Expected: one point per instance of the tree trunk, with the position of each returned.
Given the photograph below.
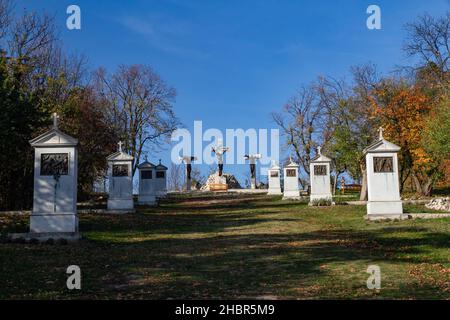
(423, 187)
(336, 178)
(363, 194)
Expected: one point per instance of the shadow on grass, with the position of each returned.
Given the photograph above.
(259, 264)
(118, 261)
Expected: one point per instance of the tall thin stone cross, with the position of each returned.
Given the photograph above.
(380, 133)
(219, 151)
(252, 158)
(120, 146)
(319, 148)
(188, 160)
(55, 120)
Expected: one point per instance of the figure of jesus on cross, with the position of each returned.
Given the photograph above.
(219, 150)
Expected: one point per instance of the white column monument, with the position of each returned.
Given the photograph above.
(291, 190)
(188, 161)
(274, 173)
(319, 174)
(54, 212)
(252, 159)
(120, 198)
(146, 183)
(382, 180)
(161, 180)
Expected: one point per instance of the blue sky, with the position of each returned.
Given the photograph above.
(235, 62)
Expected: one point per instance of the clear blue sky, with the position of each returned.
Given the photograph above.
(234, 62)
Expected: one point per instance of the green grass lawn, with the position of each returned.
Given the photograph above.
(247, 246)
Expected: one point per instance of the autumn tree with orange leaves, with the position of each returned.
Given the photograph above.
(403, 110)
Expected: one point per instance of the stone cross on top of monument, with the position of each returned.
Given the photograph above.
(380, 133)
(120, 143)
(55, 120)
(319, 148)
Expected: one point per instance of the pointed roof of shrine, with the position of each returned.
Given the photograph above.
(146, 164)
(54, 137)
(291, 164)
(381, 145)
(119, 155)
(161, 166)
(320, 157)
(274, 166)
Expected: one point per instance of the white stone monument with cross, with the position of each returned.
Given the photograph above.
(120, 197)
(54, 212)
(147, 177)
(188, 162)
(160, 180)
(291, 190)
(319, 175)
(252, 160)
(382, 180)
(274, 179)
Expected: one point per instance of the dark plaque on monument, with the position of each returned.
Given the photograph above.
(290, 173)
(383, 164)
(320, 170)
(147, 174)
(160, 174)
(54, 164)
(274, 174)
(120, 170)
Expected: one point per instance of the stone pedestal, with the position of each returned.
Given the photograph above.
(291, 190)
(274, 179)
(319, 169)
(120, 197)
(218, 183)
(55, 184)
(382, 180)
(146, 183)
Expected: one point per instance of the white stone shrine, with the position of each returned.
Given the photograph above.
(291, 190)
(55, 185)
(319, 175)
(160, 182)
(274, 179)
(120, 179)
(382, 180)
(147, 194)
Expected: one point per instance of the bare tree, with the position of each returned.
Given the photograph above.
(302, 123)
(139, 106)
(176, 177)
(31, 37)
(428, 40)
(5, 17)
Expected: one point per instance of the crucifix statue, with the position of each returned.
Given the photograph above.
(187, 160)
(380, 133)
(55, 120)
(252, 158)
(219, 151)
